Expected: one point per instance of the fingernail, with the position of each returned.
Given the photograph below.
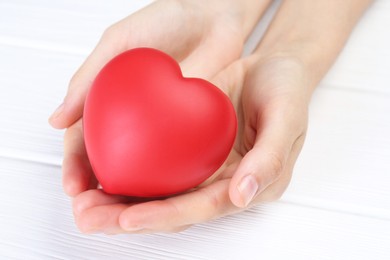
(133, 228)
(57, 112)
(130, 226)
(248, 188)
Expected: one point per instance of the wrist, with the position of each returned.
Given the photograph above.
(313, 32)
(241, 15)
(308, 57)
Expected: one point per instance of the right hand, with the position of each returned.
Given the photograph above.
(204, 36)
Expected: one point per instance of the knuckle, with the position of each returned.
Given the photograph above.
(77, 205)
(113, 32)
(277, 191)
(82, 202)
(82, 224)
(277, 194)
(271, 195)
(210, 207)
(277, 165)
(73, 84)
(69, 134)
(212, 200)
(73, 81)
(110, 31)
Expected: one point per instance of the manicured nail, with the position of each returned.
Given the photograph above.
(57, 112)
(248, 188)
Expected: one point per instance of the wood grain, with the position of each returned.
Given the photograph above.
(338, 203)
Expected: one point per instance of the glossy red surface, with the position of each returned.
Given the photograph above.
(151, 132)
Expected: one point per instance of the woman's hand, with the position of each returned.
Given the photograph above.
(270, 90)
(204, 36)
(271, 97)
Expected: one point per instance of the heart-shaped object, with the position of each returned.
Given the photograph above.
(149, 131)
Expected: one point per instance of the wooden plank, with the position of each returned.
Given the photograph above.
(41, 212)
(33, 83)
(75, 27)
(65, 26)
(347, 139)
(345, 160)
(337, 206)
(365, 61)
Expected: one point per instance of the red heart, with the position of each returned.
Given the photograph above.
(151, 132)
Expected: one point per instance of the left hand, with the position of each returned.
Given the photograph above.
(271, 98)
(270, 90)
(203, 36)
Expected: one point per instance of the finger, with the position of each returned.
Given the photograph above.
(95, 198)
(180, 212)
(225, 44)
(131, 32)
(110, 45)
(97, 211)
(90, 208)
(164, 215)
(265, 162)
(207, 60)
(77, 175)
(275, 190)
(100, 218)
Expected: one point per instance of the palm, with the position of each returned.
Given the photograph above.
(260, 92)
(265, 93)
(190, 34)
(262, 100)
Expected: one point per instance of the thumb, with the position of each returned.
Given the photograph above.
(265, 162)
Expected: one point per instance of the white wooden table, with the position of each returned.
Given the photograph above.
(338, 203)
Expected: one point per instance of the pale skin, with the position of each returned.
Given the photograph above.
(270, 89)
